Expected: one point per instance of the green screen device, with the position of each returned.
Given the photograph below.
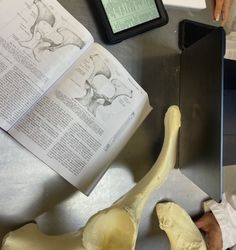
(122, 19)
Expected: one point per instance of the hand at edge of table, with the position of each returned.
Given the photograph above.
(209, 225)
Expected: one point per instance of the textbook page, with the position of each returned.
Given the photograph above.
(39, 41)
(79, 127)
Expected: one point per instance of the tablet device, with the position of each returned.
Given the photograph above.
(201, 104)
(122, 19)
(190, 32)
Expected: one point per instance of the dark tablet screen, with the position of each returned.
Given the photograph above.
(201, 105)
(125, 14)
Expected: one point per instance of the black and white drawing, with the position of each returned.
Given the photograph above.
(46, 35)
(94, 95)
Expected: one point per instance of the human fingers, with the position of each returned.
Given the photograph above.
(218, 9)
(214, 240)
(200, 223)
(226, 10)
(203, 223)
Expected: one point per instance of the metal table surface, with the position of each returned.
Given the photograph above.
(30, 190)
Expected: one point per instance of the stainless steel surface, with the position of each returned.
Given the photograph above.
(30, 190)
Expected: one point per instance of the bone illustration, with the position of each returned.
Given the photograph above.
(93, 98)
(179, 227)
(116, 227)
(99, 68)
(68, 38)
(120, 90)
(43, 40)
(44, 14)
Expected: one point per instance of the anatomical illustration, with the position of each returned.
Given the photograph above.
(116, 227)
(46, 35)
(94, 96)
(179, 227)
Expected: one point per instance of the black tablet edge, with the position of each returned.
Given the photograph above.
(203, 30)
(133, 31)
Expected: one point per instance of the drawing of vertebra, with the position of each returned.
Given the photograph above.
(92, 98)
(42, 40)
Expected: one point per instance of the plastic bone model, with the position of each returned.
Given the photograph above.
(179, 227)
(93, 98)
(116, 227)
(42, 40)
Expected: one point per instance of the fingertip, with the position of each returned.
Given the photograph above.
(226, 11)
(217, 17)
(223, 23)
(225, 18)
(218, 9)
(199, 223)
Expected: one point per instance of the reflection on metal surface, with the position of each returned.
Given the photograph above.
(64, 209)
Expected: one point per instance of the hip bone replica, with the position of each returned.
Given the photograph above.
(179, 227)
(116, 227)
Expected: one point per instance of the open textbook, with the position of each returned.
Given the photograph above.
(62, 96)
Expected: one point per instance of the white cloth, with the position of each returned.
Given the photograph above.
(225, 214)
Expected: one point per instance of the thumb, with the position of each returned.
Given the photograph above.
(203, 223)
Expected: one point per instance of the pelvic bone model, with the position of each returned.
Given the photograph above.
(179, 227)
(116, 227)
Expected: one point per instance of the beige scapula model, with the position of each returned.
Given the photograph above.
(183, 234)
(116, 227)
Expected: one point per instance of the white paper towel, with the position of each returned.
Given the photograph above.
(188, 4)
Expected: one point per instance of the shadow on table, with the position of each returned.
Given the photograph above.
(54, 191)
(160, 79)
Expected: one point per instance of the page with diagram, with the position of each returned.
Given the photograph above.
(39, 41)
(80, 126)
